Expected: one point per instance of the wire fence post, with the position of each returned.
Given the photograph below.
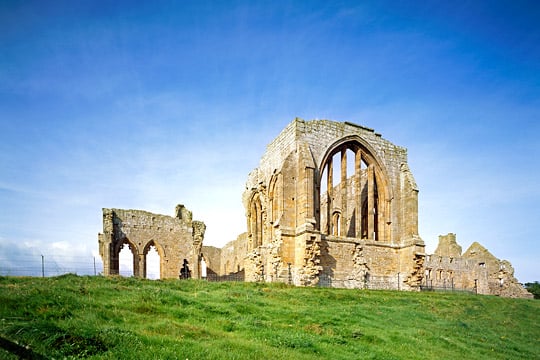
(95, 266)
(42, 266)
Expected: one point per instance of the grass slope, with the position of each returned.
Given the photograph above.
(127, 318)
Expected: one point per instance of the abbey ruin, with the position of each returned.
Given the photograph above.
(331, 204)
(178, 241)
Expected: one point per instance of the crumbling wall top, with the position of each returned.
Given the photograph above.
(448, 246)
(320, 136)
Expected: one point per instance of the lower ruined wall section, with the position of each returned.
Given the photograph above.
(443, 272)
(357, 264)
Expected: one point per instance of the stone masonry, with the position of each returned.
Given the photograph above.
(178, 241)
(331, 204)
(475, 269)
(335, 204)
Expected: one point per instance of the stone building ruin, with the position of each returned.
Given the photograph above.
(333, 204)
(178, 241)
(330, 204)
(475, 269)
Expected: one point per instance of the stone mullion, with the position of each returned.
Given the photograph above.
(343, 190)
(138, 264)
(330, 191)
(358, 193)
(270, 222)
(381, 211)
(309, 193)
(258, 224)
(249, 225)
(371, 203)
(196, 267)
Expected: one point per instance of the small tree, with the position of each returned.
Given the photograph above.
(533, 288)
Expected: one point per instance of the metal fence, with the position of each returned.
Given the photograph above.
(448, 289)
(49, 265)
(238, 276)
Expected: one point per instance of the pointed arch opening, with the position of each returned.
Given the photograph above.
(353, 193)
(255, 220)
(203, 268)
(152, 261)
(127, 257)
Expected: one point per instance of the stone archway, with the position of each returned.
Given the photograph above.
(145, 260)
(359, 201)
(255, 221)
(115, 263)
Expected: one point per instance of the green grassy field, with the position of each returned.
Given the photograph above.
(127, 318)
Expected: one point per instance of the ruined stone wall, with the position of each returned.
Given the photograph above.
(443, 272)
(351, 263)
(476, 270)
(212, 258)
(176, 239)
(500, 273)
(285, 238)
(362, 232)
(233, 255)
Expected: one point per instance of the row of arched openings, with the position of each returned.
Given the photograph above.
(126, 261)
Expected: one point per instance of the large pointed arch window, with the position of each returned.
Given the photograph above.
(351, 193)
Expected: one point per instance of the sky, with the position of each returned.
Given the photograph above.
(145, 105)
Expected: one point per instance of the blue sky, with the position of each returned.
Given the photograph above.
(145, 105)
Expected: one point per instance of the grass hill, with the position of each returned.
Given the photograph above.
(126, 318)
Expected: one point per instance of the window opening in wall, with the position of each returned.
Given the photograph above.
(255, 222)
(336, 164)
(482, 264)
(336, 224)
(363, 164)
(152, 263)
(203, 268)
(351, 162)
(125, 259)
(364, 220)
(324, 176)
(352, 196)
